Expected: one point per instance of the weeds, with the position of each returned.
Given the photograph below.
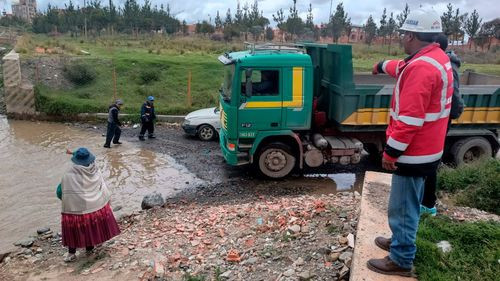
(332, 229)
(189, 277)
(475, 250)
(476, 185)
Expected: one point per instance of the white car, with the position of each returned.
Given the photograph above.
(204, 123)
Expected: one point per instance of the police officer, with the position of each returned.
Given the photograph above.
(147, 118)
(114, 131)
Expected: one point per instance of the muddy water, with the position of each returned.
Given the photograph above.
(338, 182)
(33, 161)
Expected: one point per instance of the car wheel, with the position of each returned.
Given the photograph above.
(206, 133)
(276, 161)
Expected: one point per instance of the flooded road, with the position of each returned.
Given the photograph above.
(33, 161)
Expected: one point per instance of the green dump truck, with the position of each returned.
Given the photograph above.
(287, 107)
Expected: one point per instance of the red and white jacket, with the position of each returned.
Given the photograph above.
(420, 108)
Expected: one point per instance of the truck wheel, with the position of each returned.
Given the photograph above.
(206, 133)
(276, 161)
(468, 150)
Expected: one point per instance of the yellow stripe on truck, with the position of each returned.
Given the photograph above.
(368, 116)
(479, 115)
(297, 94)
(380, 116)
(297, 88)
(263, 104)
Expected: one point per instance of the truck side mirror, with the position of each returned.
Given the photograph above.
(248, 84)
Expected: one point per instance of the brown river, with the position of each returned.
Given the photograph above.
(33, 160)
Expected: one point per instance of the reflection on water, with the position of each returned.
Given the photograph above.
(331, 183)
(33, 161)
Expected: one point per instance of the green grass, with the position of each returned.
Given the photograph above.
(475, 250)
(133, 61)
(476, 185)
(169, 59)
(492, 69)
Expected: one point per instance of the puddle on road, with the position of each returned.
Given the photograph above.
(332, 183)
(33, 161)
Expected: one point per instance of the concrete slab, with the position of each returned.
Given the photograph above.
(372, 223)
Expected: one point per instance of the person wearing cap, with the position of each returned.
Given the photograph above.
(86, 216)
(113, 133)
(420, 109)
(148, 117)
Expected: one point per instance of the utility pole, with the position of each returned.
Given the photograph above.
(330, 14)
(85, 17)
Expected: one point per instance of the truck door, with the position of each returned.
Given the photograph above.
(297, 101)
(261, 109)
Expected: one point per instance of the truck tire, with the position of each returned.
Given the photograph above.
(276, 161)
(468, 150)
(206, 132)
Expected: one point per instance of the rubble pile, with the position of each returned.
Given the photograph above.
(272, 238)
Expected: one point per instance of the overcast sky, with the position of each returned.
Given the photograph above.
(196, 10)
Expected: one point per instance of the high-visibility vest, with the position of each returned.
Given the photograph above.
(420, 106)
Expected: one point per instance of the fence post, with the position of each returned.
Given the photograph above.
(114, 84)
(189, 100)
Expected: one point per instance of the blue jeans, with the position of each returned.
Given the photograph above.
(404, 214)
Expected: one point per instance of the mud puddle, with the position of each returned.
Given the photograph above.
(335, 182)
(33, 161)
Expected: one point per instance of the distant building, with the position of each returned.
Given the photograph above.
(24, 9)
(191, 29)
(357, 34)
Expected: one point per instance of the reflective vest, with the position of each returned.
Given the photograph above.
(420, 106)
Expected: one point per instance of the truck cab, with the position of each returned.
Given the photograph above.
(266, 92)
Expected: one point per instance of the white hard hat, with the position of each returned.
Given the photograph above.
(423, 20)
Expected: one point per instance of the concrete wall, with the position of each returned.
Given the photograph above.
(19, 97)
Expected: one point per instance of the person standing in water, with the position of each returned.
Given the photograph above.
(114, 124)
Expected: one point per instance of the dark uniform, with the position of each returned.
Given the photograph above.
(114, 131)
(147, 119)
(457, 107)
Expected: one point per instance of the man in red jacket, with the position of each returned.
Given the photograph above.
(420, 108)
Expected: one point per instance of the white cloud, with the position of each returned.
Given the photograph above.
(196, 10)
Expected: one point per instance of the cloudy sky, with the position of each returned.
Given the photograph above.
(359, 10)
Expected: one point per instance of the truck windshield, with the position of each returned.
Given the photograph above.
(228, 82)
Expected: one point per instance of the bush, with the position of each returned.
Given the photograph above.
(80, 74)
(149, 75)
(476, 185)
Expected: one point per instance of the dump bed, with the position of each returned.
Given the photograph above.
(356, 103)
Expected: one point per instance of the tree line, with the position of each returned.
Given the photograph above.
(95, 18)
(247, 20)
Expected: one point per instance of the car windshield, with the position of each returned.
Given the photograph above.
(228, 82)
